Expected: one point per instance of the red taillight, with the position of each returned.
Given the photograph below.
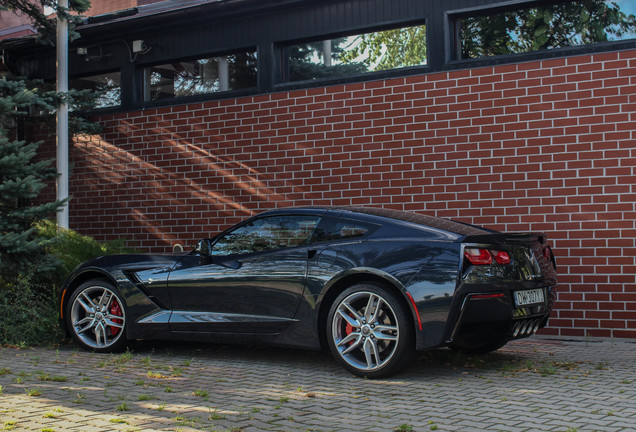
(501, 257)
(479, 256)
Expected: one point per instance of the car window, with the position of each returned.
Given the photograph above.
(333, 229)
(267, 233)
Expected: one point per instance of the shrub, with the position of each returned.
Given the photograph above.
(28, 312)
(69, 249)
(28, 300)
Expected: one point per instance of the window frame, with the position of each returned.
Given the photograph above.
(281, 57)
(118, 107)
(453, 36)
(142, 67)
(224, 234)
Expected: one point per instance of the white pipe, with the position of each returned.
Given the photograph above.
(224, 74)
(62, 117)
(326, 52)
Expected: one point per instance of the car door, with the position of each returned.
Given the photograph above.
(252, 280)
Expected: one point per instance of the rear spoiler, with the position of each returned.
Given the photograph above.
(502, 238)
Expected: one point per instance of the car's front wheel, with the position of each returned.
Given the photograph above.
(96, 317)
(370, 332)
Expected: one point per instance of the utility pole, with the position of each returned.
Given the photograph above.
(62, 116)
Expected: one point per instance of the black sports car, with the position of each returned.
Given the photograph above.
(373, 285)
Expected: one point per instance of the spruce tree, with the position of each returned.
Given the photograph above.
(22, 174)
(22, 178)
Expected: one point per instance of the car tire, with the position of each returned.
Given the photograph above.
(96, 317)
(370, 331)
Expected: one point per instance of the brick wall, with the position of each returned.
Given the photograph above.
(543, 146)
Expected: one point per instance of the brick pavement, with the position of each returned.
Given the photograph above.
(532, 385)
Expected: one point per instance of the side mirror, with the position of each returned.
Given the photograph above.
(204, 247)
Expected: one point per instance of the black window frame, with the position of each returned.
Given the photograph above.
(104, 109)
(224, 234)
(178, 100)
(453, 37)
(281, 57)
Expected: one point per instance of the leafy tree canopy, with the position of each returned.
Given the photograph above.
(45, 26)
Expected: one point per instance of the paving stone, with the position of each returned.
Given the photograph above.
(537, 384)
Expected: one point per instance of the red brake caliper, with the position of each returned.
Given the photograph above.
(349, 330)
(115, 310)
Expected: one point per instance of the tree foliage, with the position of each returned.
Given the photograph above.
(22, 178)
(389, 49)
(45, 26)
(307, 61)
(22, 174)
(543, 27)
(368, 52)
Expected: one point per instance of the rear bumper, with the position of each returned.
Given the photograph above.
(494, 316)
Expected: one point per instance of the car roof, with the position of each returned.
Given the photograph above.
(447, 225)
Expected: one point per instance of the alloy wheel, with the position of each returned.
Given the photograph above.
(97, 317)
(365, 331)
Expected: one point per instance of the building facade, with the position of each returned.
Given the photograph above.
(485, 112)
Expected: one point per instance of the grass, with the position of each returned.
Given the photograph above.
(80, 398)
(34, 392)
(118, 420)
(9, 425)
(200, 393)
(156, 375)
(123, 407)
(216, 416)
(144, 397)
(53, 378)
(184, 421)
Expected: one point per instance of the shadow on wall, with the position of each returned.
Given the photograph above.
(169, 190)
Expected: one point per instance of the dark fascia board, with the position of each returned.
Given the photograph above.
(174, 13)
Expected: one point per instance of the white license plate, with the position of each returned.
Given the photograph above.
(523, 298)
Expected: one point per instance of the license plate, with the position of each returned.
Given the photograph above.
(527, 297)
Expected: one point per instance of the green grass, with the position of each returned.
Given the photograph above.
(118, 420)
(53, 378)
(35, 392)
(200, 393)
(145, 397)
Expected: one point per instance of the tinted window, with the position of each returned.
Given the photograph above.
(336, 229)
(420, 219)
(200, 76)
(548, 26)
(107, 86)
(355, 54)
(265, 234)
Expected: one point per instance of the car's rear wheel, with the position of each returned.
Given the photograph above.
(96, 317)
(370, 332)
